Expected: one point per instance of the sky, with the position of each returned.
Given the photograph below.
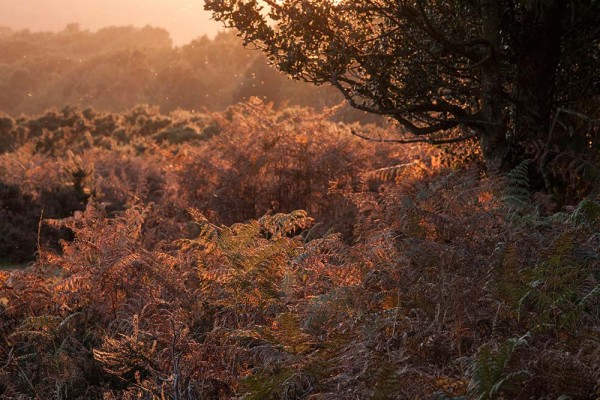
(184, 19)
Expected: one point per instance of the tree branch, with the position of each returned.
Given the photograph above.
(414, 140)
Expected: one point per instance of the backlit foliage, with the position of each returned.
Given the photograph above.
(516, 76)
(185, 269)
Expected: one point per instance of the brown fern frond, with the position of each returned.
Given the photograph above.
(285, 224)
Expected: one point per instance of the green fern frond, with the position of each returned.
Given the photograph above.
(518, 187)
(563, 287)
(587, 212)
(490, 370)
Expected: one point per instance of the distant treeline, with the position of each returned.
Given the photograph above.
(117, 68)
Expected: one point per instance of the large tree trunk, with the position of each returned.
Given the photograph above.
(503, 143)
(538, 54)
(492, 135)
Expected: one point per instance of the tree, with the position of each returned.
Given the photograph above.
(509, 73)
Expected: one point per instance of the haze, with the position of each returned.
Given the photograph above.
(184, 19)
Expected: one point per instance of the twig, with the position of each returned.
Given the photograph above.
(176, 358)
(39, 234)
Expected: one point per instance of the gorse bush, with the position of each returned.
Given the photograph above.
(191, 270)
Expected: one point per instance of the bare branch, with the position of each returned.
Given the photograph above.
(414, 140)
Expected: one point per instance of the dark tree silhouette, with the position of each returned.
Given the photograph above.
(447, 70)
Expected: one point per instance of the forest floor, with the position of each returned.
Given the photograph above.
(265, 254)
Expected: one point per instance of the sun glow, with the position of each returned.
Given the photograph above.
(288, 1)
(184, 19)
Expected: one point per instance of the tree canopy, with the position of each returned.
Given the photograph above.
(518, 75)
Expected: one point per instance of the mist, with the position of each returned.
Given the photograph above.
(184, 19)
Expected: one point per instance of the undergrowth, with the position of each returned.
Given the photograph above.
(184, 269)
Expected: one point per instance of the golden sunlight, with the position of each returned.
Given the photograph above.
(184, 19)
(337, 199)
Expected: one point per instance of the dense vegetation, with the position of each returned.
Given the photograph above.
(172, 261)
(519, 76)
